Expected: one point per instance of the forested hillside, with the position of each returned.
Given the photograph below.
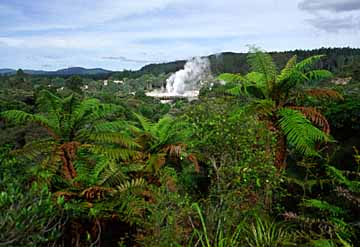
(341, 61)
(266, 156)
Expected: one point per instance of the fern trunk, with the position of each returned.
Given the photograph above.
(68, 155)
(280, 155)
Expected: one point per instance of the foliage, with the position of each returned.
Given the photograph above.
(222, 238)
(28, 218)
(88, 161)
(273, 94)
(267, 233)
(300, 132)
(29, 215)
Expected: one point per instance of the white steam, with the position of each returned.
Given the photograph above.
(186, 82)
(189, 78)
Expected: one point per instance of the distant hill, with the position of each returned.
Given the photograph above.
(61, 72)
(7, 71)
(340, 61)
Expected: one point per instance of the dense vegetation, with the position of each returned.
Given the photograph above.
(341, 61)
(269, 158)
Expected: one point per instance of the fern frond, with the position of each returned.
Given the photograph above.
(99, 167)
(338, 175)
(112, 153)
(256, 80)
(156, 161)
(34, 149)
(237, 90)
(49, 102)
(96, 193)
(323, 206)
(106, 126)
(341, 179)
(83, 110)
(112, 175)
(264, 107)
(145, 123)
(17, 116)
(232, 78)
(300, 132)
(239, 83)
(263, 63)
(343, 242)
(314, 116)
(83, 170)
(309, 184)
(104, 111)
(322, 243)
(21, 117)
(134, 183)
(114, 138)
(163, 126)
(194, 160)
(319, 74)
(174, 150)
(307, 63)
(288, 70)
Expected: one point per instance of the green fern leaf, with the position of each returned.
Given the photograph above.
(307, 63)
(263, 63)
(300, 132)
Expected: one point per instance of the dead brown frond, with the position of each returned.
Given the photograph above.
(174, 150)
(66, 194)
(194, 160)
(156, 161)
(95, 193)
(314, 116)
(323, 93)
(171, 184)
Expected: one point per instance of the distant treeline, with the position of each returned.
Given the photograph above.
(340, 61)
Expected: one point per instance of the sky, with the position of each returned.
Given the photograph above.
(127, 34)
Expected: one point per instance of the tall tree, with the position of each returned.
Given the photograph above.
(276, 96)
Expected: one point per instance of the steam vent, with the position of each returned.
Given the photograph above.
(185, 83)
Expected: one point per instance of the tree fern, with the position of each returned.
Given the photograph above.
(73, 123)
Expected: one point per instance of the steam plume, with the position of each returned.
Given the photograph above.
(189, 78)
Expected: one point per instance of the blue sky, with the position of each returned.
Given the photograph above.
(124, 34)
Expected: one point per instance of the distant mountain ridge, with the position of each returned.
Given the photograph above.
(340, 61)
(61, 72)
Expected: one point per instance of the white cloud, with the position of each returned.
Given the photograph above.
(330, 5)
(72, 14)
(337, 16)
(83, 32)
